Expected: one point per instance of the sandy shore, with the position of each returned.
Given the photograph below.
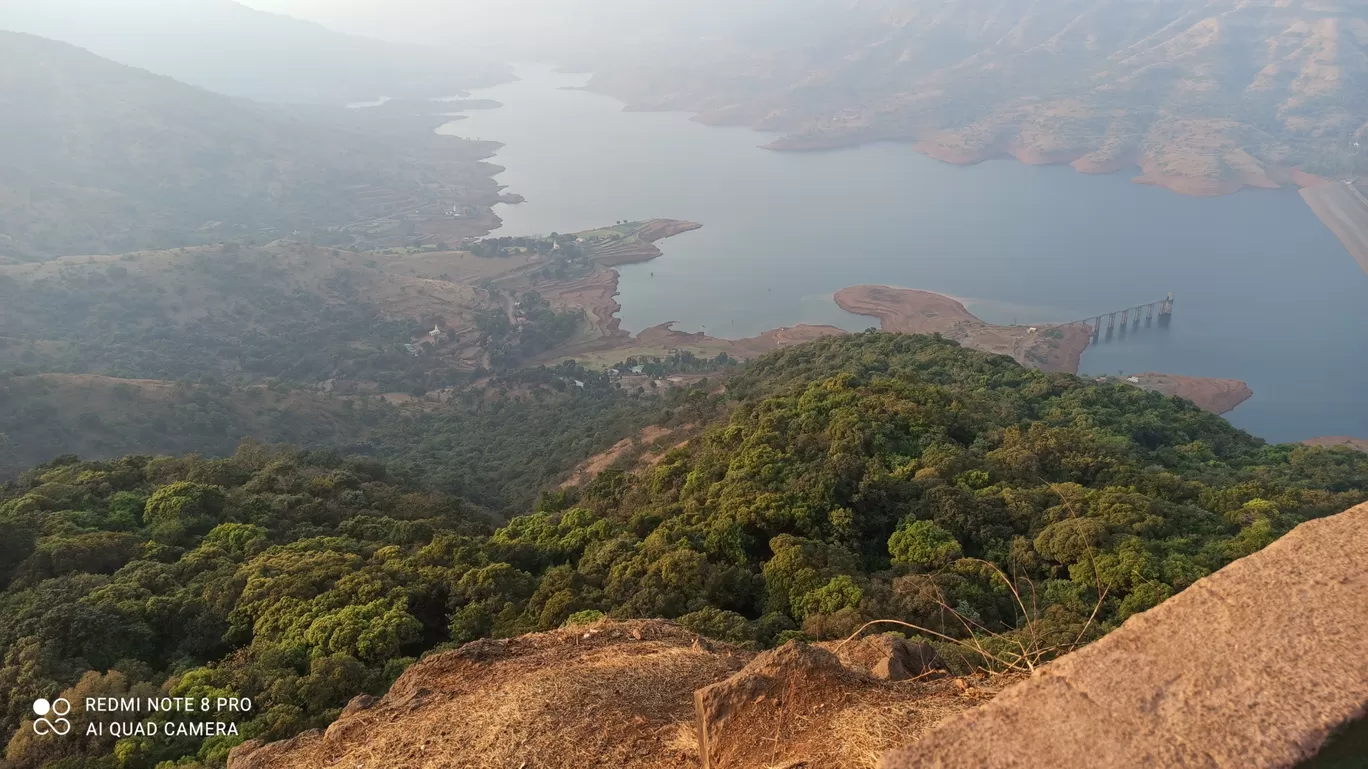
(1215, 395)
(1049, 348)
(1358, 444)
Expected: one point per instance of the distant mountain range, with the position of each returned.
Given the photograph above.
(1205, 95)
(227, 47)
(97, 157)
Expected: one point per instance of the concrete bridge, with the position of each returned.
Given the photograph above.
(1129, 319)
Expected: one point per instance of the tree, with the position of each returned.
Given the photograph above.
(923, 545)
(181, 512)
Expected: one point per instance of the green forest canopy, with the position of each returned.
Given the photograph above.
(867, 477)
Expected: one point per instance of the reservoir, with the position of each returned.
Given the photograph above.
(1265, 293)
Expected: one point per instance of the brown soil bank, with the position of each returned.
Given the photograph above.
(1049, 348)
(1358, 444)
(1253, 667)
(1215, 395)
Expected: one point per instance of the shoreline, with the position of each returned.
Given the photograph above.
(1162, 166)
(1048, 347)
(1219, 396)
(1052, 348)
(1333, 441)
(1340, 210)
(924, 312)
(597, 295)
(1090, 162)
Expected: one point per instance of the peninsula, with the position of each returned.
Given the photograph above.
(1049, 348)
(1215, 395)
(1358, 444)
(1046, 347)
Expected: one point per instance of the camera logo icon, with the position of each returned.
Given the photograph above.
(57, 724)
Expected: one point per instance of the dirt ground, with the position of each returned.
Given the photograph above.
(622, 695)
(1218, 396)
(1049, 348)
(1358, 444)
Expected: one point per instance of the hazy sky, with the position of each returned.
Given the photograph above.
(509, 23)
(435, 20)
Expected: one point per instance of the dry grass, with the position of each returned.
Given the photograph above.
(619, 694)
(614, 694)
(800, 706)
(1020, 651)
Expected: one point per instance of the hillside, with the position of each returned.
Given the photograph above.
(840, 705)
(1205, 96)
(103, 158)
(47, 415)
(238, 313)
(229, 48)
(1009, 514)
(316, 314)
(194, 349)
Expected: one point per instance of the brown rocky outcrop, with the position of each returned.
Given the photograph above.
(798, 705)
(888, 657)
(1253, 667)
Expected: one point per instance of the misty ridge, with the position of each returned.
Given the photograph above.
(578, 383)
(232, 49)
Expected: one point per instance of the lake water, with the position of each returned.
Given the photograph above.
(1265, 293)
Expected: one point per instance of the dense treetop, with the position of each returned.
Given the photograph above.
(874, 476)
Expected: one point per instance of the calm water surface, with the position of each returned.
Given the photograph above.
(1265, 293)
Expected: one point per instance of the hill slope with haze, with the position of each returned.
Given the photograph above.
(97, 157)
(233, 49)
(1204, 95)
